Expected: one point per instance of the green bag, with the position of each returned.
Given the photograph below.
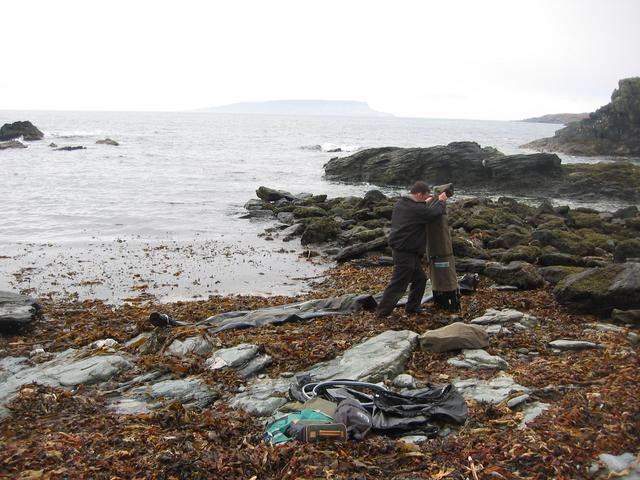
(277, 430)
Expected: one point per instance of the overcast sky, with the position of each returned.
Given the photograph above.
(502, 59)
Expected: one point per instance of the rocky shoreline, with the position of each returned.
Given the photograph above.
(613, 129)
(121, 396)
(512, 243)
(485, 170)
(116, 394)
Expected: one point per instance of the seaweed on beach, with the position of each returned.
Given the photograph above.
(53, 433)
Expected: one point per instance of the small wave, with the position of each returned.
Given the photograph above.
(331, 148)
(76, 134)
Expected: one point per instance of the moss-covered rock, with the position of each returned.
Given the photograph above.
(306, 212)
(463, 247)
(626, 250)
(563, 241)
(599, 290)
(318, 230)
(507, 240)
(375, 223)
(519, 274)
(555, 273)
(586, 220)
(526, 253)
(383, 211)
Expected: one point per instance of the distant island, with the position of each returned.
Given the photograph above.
(302, 107)
(560, 118)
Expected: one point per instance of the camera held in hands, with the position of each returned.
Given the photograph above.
(446, 188)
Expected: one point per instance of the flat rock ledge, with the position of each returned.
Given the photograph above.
(496, 321)
(380, 357)
(573, 345)
(478, 359)
(493, 391)
(69, 368)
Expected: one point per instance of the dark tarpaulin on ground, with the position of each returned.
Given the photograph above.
(310, 309)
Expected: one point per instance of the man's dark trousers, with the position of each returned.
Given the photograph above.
(407, 269)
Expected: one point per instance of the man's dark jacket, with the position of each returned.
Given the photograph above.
(408, 232)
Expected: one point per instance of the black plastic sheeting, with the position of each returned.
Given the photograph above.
(294, 312)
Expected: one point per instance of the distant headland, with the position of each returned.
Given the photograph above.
(560, 118)
(346, 108)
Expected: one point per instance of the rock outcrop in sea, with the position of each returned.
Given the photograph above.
(613, 129)
(476, 169)
(26, 130)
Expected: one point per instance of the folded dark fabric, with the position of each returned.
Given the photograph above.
(356, 418)
(434, 401)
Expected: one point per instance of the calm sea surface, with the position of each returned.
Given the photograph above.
(183, 178)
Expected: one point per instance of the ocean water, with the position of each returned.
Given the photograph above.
(179, 181)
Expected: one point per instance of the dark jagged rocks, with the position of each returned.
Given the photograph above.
(613, 129)
(474, 169)
(26, 130)
(509, 242)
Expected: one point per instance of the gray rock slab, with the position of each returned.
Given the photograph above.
(67, 369)
(572, 344)
(531, 412)
(191, 345)
(416, 439)
(515, 402)
(478, 359)
(605, 327)
(16, 311)
(404, 380)
(380, 357)
(506, 316)
(232, 357)
(492, 391)
(286, 217)
(262, 397)
(615, 465)
(255, 365)
(192, 392)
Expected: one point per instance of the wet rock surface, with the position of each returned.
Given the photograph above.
(478, 359)
(27, 130)
(16, 311)
(493, 391)
(476, 169)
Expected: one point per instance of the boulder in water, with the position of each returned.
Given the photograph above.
(26, 130)
(107, 141)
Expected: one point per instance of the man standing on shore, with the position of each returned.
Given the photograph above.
(408, 241)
